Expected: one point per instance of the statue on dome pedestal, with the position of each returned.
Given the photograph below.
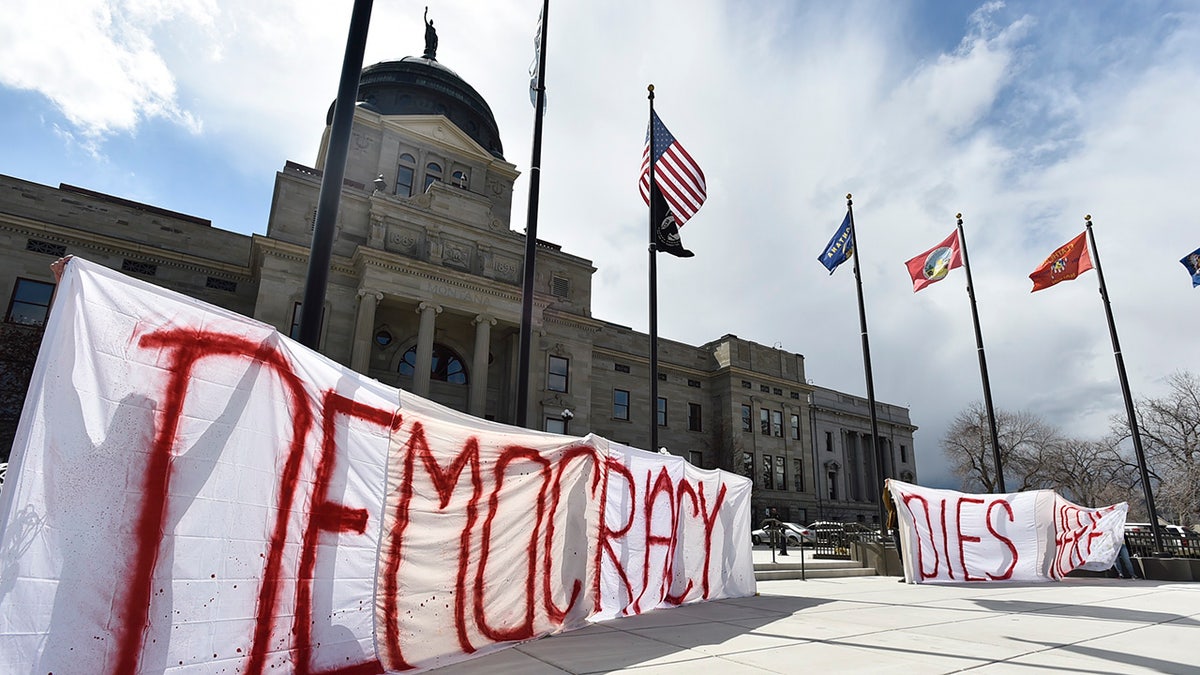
(431, 39)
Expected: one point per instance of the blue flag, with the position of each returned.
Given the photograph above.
(1192, 262)
(840, 247)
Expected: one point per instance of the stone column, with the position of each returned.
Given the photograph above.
(888, 459)
(870, 458)
(425, 334)
(850, 459)
(512, 349)
(479, 364)
(364, 326)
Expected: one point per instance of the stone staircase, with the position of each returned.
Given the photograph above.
(790, 567)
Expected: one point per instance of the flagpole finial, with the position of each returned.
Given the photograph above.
(1088, 217)
(958, 215)
(849, 196)
(650, 88)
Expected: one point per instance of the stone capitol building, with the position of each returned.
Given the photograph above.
(425, 294)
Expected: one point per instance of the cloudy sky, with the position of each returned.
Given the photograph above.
(1024, 116)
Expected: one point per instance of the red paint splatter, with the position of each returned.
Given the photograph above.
(444, 482)
(964, 538)
(327, 516)
(524, 629)
(185, 348)
(554, 613)
(1007, 574)
(606, 536)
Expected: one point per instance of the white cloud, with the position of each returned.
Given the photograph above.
(1024, 116)
(96, 61)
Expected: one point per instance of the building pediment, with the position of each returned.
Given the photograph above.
(443, 134)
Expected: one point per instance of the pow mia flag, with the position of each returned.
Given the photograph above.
(667, 234)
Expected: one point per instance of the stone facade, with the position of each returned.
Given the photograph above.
(425, 294)
(846, 475)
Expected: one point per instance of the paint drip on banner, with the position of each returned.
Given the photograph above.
(191, 490)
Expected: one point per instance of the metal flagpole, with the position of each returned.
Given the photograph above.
(880, 474)
(983, 371)
(321, 248)
(1129, 409)
(535, 174)
(653, 290)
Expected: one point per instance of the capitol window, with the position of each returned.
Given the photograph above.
(433, 173)
(30, 302)
(446, 365)
(405, 174)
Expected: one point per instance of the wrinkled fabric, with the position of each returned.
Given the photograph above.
(949, 536)
(191, 492)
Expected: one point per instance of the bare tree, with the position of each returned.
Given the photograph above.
(1090, 473)
(1170, 431)
(1026, 442)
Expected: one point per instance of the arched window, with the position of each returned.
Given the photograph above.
(459, 179)
(433, 172)
(447, 365)
(405, 174)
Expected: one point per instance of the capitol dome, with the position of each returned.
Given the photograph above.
(415, 85)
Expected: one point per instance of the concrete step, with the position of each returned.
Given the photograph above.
(790, 567)
(774, 575)
(793, 562)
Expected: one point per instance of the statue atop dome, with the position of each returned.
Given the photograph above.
(431, 39)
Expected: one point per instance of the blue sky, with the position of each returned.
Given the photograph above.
(1023, 116)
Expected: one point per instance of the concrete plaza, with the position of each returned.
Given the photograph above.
(874, 624)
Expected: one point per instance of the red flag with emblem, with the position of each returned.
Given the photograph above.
(1067, 262)
(933, 265)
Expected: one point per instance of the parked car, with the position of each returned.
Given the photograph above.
(830, 532)
(797, 535)
(1174, 531)
(851, 528)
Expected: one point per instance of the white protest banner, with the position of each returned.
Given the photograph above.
(191, 492)
(949, 536)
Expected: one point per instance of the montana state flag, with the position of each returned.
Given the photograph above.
(1067, 262)
(840, 247)
(1192, 262)
(934, 264)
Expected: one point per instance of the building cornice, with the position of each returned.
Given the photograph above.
(567, 320)
(296, 253)
(742, 373)
(862, 417)
(124, 247)
(645, 360)
(365, 257)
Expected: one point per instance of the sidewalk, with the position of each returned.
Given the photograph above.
(874, 624)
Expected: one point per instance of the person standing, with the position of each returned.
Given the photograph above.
(1124, 563)
(893, 526)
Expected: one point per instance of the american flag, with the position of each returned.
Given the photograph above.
(676, 174)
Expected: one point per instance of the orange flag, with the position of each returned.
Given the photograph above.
(1069, 261)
